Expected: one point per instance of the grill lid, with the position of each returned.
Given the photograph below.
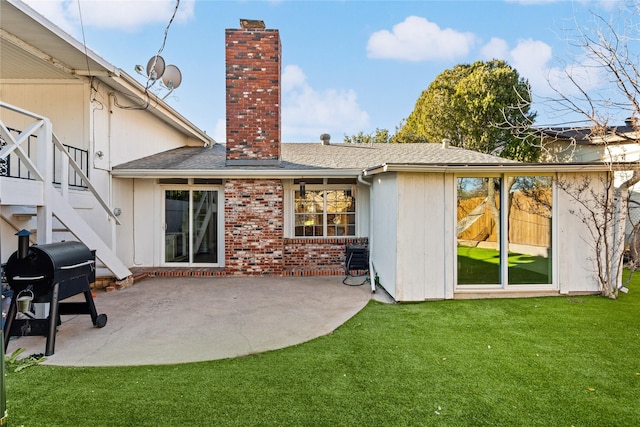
(49, 262)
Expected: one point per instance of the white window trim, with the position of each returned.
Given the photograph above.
(220, 223)
(289, 208)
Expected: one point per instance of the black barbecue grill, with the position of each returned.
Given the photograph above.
(52, 272)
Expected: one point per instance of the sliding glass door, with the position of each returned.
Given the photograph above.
(504, 231)
(191, 226)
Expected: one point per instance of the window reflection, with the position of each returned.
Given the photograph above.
(195, 242)
(530, 208)
(478, 230)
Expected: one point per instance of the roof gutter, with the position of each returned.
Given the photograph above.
(362, 181)
(493, 167)
(236, 173)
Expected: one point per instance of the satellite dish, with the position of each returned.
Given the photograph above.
(172, 77)
(155, 67)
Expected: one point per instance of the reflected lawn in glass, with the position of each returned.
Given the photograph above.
(527, 269)
(480, 266)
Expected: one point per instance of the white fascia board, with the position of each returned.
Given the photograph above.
(235, 173)
(501, 167)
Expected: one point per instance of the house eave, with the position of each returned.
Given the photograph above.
(53, 56)
(236, 173)
(500, 167)
(32, 32)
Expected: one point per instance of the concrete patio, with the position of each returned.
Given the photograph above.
(167, 320)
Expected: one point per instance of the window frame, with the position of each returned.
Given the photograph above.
(190, 186)
(504, 235)
(324, 187)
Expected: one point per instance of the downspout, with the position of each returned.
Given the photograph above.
(372, 270)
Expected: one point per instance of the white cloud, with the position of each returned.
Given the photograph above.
(123, 15)
(55, 11)
(292, 78)
(220, 131)
(534, 61)
(417, 39)
(531, 58)
(307, 113)
(586, 76)
(495, 49)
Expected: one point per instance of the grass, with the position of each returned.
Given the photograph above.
(558, 361)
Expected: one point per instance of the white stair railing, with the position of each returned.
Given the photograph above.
(67, 161)
(55, 203)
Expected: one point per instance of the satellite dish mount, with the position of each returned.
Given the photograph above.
(169, 76)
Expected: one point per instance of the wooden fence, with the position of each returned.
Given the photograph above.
(529, 220)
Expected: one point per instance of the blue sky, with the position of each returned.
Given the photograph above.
(348, 65)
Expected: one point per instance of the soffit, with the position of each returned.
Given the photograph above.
(17, 64)
(31, 47)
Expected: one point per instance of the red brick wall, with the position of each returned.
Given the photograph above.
(253, 58)
(317, 256)
(254, 230)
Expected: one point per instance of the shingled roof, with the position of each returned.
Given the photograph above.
(314, 156)
(623, 134)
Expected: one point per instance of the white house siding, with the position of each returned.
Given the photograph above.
(16, 192)
(422, 251)
(64, 104)
(574, 251)
(123, 191)
(413, 242)
(133, 134)
(578, 153)
(363, 207)
(384, 233)
(140, 233)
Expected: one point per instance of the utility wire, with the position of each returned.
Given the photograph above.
(164, 41)
(84, 40)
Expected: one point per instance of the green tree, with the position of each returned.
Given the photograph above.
(380, 136)
(469, 105)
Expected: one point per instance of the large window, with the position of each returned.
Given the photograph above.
(529, 225)
(324, 213)
(504, 230)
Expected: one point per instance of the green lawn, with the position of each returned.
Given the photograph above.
(557, 361)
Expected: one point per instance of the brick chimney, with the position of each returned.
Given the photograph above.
(253, 58)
